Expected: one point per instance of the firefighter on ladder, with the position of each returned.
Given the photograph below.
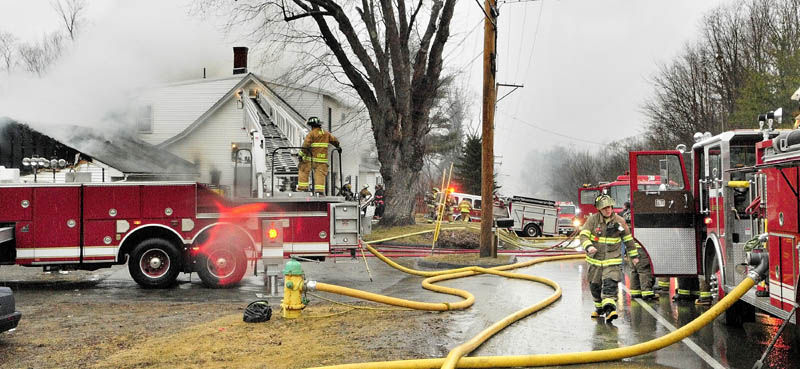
(601, 237)
(314, 155)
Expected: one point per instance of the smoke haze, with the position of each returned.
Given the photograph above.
(124, 46)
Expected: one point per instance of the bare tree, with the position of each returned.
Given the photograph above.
(71, 12)
(7, 49)
(389, 53)
(38, 56)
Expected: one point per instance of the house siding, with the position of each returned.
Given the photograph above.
(176, 107)
(209, 145)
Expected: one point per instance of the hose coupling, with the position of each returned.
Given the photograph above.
(311, 286)
(761, 262)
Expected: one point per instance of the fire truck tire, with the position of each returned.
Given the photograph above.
(222, 266)
(154, 263)
(532, 230)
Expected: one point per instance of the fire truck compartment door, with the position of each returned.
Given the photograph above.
(57, 223)
(663, 215)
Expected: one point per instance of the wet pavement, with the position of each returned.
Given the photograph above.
(563, 327)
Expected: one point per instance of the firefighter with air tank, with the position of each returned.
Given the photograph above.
(601, 237)
(314, 156)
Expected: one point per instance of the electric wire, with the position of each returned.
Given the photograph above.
(551, 132)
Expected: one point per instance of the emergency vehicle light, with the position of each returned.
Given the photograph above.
(708, 220)
(273, 233)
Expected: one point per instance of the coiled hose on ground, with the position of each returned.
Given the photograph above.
(456, 359)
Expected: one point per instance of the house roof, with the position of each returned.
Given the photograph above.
(224, 97)
(121, 151)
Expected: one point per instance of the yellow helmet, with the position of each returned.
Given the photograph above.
(603, 201)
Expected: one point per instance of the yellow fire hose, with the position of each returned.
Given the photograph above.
(456, 357)
(574, 357)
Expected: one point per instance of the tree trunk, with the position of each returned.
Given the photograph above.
(400, 196)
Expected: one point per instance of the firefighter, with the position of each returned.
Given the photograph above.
(314, 155)
(347, 192)
(601, 237)
(641, 274)
(380, 201)
(364, 194)
(464, 207)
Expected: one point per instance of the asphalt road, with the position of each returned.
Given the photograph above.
(563, 327)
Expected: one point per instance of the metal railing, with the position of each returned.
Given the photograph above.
(310, 177)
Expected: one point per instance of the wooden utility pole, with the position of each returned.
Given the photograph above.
(488, 246)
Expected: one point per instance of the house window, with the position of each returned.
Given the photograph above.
(144, 119)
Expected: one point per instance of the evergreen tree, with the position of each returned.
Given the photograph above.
(468, 171)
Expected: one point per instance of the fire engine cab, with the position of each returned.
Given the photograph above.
(742, 197)
(163, 228)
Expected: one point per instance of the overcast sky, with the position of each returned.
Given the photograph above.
(584, 63)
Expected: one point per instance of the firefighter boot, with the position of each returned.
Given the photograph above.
(610, 313)
(598, 311)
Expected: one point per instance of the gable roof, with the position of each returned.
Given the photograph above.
(245, 79)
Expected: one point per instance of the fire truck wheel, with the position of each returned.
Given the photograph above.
(222, 266)
(154, 263)
(532, 230)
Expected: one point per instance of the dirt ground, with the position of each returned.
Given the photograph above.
(60, 332)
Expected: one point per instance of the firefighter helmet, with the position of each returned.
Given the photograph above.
(314, 122)
(603, 201)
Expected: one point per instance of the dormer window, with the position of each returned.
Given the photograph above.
(144, 119)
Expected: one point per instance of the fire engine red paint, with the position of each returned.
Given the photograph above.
(112, 202)
(11, 203)
(95, 231)
(56, 213)
(176, 201)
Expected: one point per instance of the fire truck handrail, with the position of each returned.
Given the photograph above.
(306, 149)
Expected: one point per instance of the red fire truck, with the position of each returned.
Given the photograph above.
(568, 219)
(163, 228)
(619, 190)
(742, 196)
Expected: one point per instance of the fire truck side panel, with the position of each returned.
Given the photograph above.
(788, 272)
(23, 235)
(176, 201)
(309, 234)
(111, 202)
(782, 184)
(100, 241)
(57, 220)
(16, 204)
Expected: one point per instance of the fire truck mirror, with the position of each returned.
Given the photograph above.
(663, 170)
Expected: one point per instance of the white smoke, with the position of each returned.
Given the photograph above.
(122, 48)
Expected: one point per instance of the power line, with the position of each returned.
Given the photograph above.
(455, 48)
(551, 132)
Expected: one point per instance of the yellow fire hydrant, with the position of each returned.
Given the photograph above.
(293, 301)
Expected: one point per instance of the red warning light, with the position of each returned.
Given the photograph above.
(273, 233)
(451, 189)
(708, 220)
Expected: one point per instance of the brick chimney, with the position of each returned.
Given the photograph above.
(239, 60)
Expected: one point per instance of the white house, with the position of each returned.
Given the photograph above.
(214, 124)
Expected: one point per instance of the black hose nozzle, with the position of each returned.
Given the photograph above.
(760, 260)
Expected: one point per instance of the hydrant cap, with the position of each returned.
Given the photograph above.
(293, 268)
